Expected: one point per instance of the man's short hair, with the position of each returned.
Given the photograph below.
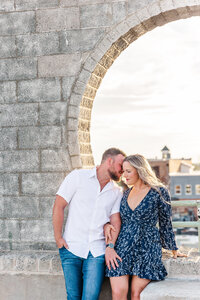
(111, 152)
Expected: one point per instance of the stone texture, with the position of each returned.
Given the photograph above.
(67, 83)
(18, 68)
(38, 44)
(44, 184)
(6, 5)
(46, 206)
(39, 90)
(57, 19)
(87, 39)
(53, 113)
(9, 185)
(10, 230)
(59, 65)
(35, 4)
(19, 114)
(133, 6)
(36, 137)
(19, 161)
(96, 15)
(21, 207)
(119, 11)
(8, 47)
(37, 230)
(8, 138)
(66, 3)
(8, 92)
(55, 160)
(13, 23)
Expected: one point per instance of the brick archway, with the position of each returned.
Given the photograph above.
(96, 65)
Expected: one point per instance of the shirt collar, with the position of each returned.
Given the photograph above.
(93, 172)
(109, 185)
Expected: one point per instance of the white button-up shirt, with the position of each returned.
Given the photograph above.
(89, 209)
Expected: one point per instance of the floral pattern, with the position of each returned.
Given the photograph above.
(140, 241)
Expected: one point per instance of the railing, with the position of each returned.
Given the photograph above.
(188, 203)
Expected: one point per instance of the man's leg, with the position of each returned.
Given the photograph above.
(72, 269)
(93, 275)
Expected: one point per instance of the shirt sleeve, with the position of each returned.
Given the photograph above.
(165, 221)
(69, 186)
(116, 206)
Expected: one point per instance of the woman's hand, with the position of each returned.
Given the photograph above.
(177, 253)
(107, 232)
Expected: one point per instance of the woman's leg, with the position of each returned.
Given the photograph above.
(137, 286)
(119, 287)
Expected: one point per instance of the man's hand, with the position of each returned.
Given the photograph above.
(108, 232)
(111, 258)
(61, 243)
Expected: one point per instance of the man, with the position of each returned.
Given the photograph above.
(93, 200)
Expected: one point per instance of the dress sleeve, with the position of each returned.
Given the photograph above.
(165, 221)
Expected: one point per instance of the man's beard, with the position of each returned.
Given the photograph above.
(113, 176)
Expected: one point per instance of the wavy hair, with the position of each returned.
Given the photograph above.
(145, 172)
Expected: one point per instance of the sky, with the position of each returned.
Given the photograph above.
(150, 96)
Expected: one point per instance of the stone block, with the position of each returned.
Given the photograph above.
(19, 161)
(19, 114)
(67, 84)
(73, 143)
(56, 264)
(67, 3)
(8, 92)
(46, 206)
(76, 162)
(55, 160)
(39, 90)
(75, 99)
(9, 262)
(59, 65)
(36, 137)
(31, 263)
(96, 15)
(58, 19)
(53, 113)
(79, 88)
(90, 64)
(87, 39)
(18, 68)
(84, 2)
(8, 47)
(9, 230)
(73, 111)
(37, 230)
(7, 5)
(43, 184)
(133, 6)
(72, 124)
(44, 263)
(8, 138)
(9, 184)
(38, 44)
(21, 207)
(14, 23)
(84, 76)
(35, 4)
(166, 5)
(119, 11)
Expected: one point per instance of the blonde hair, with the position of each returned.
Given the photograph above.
(145, 172)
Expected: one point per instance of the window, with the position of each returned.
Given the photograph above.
(178, 189)
(188, 189)
(197, 189)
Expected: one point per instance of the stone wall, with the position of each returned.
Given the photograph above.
(53, 57)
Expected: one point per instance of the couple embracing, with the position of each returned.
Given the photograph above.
(104, 226)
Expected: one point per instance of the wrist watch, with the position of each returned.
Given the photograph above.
(110, 245)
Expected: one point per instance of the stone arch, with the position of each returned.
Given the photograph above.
(101, 59)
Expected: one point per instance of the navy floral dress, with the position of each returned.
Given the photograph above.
(140, 242)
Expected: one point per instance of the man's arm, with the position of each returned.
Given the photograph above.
(58, 218)
(111, 255)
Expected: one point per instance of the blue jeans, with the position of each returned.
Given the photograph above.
(83, 277)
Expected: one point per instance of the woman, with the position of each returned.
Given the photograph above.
(140, 242)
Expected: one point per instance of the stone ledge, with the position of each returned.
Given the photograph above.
(48, 263)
